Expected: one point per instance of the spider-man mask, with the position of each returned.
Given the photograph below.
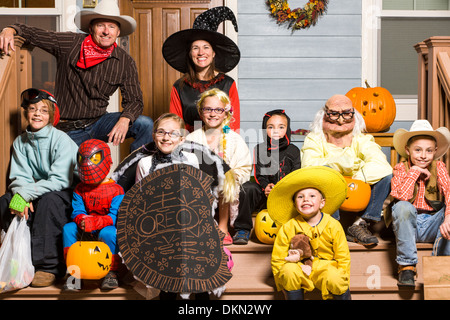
(94, 161)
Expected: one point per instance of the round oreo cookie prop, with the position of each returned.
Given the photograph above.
(167, 234)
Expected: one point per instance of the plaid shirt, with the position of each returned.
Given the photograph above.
(402, 186)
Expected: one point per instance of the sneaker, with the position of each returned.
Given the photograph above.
(110, 281)
(241, 237)
(359, 233)
(406, 275)
(227, 240)
(43, 279)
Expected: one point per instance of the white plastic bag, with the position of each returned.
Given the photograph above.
(16, 267)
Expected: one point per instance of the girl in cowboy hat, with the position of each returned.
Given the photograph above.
(42, 166)
(420, 188)
(302, 203)
(203, 55)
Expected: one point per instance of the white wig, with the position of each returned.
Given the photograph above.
(316, 125)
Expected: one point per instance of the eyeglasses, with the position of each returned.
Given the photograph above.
(34, 110)
(172, 134)
(335, 115)
(33, 95)
(216, 110)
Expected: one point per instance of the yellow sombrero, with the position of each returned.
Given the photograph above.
(328, 181)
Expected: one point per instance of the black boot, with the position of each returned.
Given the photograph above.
(406, 275)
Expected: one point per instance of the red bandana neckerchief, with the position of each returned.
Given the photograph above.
(91, 54)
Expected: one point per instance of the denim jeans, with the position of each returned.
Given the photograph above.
(140, 130)
(410, 227)
(379, 192)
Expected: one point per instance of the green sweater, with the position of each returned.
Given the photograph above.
(42, 162)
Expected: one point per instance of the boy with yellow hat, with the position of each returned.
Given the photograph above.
(302, 202)
(420, 188)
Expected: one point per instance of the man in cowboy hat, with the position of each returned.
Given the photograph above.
(421, 191)
(90, 68)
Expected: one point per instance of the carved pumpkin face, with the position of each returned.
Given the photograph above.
(265, 228)
(358, 195)
(93, 258)
(376, 105)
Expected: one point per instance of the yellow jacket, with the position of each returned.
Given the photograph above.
(363, 160)
(327, 239)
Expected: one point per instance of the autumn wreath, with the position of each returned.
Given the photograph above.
(299, 18)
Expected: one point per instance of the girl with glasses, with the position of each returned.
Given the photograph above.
(214, 107)
(168, 133)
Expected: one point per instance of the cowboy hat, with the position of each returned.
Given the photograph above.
(176, 47)
(107, 9)
(418, 128)
(329, 182)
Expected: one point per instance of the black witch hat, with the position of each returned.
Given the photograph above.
(176, 47)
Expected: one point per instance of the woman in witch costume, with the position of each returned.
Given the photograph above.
(203, 55)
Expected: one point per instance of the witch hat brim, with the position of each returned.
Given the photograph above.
(177, 46)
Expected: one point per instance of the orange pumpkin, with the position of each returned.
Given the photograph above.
(376, 105)
(265, 228)
(92, 259)
(358, 195)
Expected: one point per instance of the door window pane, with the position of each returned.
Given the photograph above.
(399, 60)
(415, 5)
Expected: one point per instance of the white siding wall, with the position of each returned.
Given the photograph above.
(296, 71)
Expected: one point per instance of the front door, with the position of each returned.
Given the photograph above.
(157, 20)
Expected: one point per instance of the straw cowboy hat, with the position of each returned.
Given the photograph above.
(418, 128)
(176, 47)
(329, 182)
(107, 9)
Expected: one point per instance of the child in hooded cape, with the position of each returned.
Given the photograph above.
(272, 160)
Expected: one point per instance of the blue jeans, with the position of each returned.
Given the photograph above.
(379, 192)
(410, 227)
(140, 130)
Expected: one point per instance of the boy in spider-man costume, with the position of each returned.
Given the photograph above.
(95, 203)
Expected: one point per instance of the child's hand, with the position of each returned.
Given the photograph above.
(268, 188)
(445, 227)
(82, 225)
(25, 212)
(423, 172)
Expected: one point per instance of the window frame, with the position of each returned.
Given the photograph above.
(64, 11)
(372, 14)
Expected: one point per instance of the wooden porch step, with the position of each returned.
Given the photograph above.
(89, 291)
(373, 276)
(373, 273)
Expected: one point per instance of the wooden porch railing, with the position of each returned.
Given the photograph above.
(434, 83)
(15, 76)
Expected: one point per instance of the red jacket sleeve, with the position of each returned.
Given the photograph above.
(175, 103)
(234, 97)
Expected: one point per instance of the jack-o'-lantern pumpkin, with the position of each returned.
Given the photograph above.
(376, 105)
(265, 228)
(93, 259)
(358, 195)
